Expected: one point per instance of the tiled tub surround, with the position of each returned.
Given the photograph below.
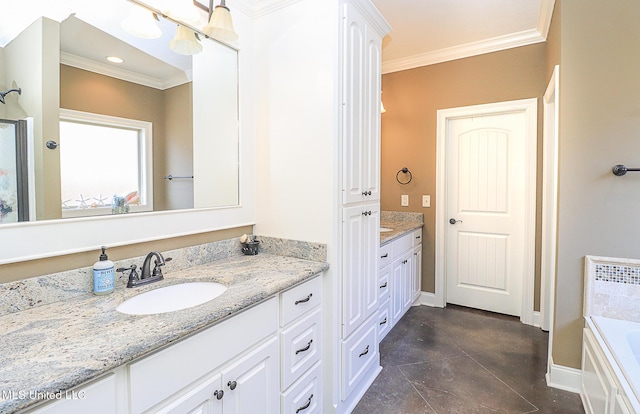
(400, 224)
(612, 321)
(61, 344)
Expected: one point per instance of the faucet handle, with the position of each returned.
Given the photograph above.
(156, 268)
(133, 276)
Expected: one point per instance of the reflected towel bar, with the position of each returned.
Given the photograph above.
(171, 177)
(621, 170)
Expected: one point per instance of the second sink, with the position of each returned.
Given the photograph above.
(172, 298)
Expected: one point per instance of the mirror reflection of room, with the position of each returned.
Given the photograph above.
(121, 135)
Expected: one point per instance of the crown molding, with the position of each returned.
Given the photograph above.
(262, 8)
(368, 9)
(122, 74)
(544, 17)
(524, 38)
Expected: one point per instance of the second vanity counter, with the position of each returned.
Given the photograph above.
(63, 344)
(397, 229)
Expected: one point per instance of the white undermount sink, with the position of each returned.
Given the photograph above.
(385, 229)
(172, 298)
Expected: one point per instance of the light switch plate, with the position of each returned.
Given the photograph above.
(404, 200)
(426, 201)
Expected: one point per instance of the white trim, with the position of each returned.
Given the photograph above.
(122, 74)
(530, 108)
(428, 299)
(545, 16)
(536, 319)
(524, 38)
(549, 236)
(564, 378)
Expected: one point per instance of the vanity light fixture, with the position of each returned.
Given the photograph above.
(382, 110)
(220, 24)
(185, 42)
(141, 23)
(184, 11)
(114, 59)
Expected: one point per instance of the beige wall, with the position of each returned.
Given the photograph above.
(412, 98)
(90, 92)
(23, 270)
(599, 124)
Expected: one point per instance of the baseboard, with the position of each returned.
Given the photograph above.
(564, 378)
(350, 403)
(536, 319)
(428, 299)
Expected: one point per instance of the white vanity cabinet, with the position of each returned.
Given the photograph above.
(237, 360)
(265, 359)
(301, 349)
(400, 274)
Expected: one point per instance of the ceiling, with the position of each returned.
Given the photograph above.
(425, 32)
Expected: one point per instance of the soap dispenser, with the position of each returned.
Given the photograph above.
(103, 275)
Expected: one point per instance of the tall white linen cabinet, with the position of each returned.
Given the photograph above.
(318, 83)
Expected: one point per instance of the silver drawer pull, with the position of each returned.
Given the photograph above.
(365, 352)
(417, 237)
(304, 407)
(383, 286)
(307, 299)
(306, 348)
(384, 255)
(383, 322)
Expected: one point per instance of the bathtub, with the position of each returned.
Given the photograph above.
(622, 340)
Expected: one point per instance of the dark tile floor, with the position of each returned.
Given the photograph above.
(460, 360)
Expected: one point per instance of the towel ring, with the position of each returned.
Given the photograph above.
(404, 170)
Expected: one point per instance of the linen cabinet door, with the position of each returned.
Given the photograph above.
(252, 383)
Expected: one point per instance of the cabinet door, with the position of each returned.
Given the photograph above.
(355, 118)
(361, 134)
(360, 266)
(416, 272)
(252, 384)
(373, 82)
(396, 289)
(203, 398)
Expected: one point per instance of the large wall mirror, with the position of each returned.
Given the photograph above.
(155, 132)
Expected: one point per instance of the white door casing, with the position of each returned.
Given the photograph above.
(486, 260)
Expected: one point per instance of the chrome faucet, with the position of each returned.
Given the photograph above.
(146, 275)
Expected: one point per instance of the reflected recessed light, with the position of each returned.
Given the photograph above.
(114, 59)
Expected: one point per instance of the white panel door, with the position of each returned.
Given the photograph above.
(486, 162)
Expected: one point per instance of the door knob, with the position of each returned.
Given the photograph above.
(454, 221)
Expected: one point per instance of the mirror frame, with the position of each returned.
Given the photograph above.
(49, 238)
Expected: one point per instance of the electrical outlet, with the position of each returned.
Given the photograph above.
(426, 201)
(404, 200)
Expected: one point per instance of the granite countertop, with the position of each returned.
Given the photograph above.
(63, 344)
(398, 228)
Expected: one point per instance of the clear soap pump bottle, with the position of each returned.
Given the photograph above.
(103, 275)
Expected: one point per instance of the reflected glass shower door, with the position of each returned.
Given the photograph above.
(14, 202)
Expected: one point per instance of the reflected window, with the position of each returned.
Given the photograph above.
(105, 164)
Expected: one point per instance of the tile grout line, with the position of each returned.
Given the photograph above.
(415, 389)
(507, 385)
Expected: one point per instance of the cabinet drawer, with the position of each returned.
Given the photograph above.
(301, 347)
(160, 375)
(402, 244)
(359, 353)
(416, 237)
(386, 255)
(304, 397)
(299, 300)
(384, 284)
(384, 320)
